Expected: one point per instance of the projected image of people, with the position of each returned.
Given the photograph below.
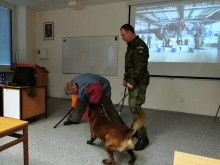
(180, 31)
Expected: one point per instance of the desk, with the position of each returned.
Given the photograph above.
(1, 103)
(181, 158)
(17, 104)
(9, 127)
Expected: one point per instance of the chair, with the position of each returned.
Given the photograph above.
(181, 158)
(9, 127)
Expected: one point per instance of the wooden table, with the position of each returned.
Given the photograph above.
(181, 158)
(18, 104)
(9, 127)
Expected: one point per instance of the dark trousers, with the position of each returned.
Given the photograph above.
(77, 113)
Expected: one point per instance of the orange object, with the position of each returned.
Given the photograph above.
(74, 100)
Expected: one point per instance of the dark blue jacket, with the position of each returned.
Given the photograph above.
(92, 87)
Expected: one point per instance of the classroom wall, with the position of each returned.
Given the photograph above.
(94, 20)
(181, 95)
(31, 36)
(21, 34)
(26, 35)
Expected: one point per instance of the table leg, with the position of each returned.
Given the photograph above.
(25, 145)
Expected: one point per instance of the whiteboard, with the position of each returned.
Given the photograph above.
(91, 54)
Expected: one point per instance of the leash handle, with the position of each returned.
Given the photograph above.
(123, 100)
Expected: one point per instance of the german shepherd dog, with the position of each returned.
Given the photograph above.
(116, 136)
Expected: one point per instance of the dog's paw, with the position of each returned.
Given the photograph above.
(89, 142)
(131, 162)
(108, 161)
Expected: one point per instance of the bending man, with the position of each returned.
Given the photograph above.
(90, 88)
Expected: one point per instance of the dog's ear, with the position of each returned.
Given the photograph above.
(91, 106)
(89, 113)
(100, 105)
(94, 105)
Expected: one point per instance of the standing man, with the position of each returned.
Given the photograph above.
(149, 40)
(90, 88)
(136, 77)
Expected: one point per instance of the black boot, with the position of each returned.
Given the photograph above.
(141, 144)
(69, 122)
(135, 135)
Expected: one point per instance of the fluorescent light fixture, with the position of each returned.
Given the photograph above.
(71, 3)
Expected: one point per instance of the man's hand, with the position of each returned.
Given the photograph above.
(124, 83)
(129, 86)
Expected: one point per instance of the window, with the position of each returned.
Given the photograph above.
(5, 37)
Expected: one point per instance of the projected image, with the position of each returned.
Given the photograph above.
(181, 32)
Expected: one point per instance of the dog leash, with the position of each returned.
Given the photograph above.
(63, 117)
(122, 100)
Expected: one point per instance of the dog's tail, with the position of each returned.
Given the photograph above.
(139, 121)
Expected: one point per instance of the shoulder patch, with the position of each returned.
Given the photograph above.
(140, 51)
(140, 47)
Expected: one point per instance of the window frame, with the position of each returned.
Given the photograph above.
(7, 68)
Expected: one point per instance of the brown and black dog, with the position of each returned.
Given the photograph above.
(117, 136)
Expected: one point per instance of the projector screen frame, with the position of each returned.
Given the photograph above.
(188, 69)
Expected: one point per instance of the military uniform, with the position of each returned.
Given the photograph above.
(136, 73)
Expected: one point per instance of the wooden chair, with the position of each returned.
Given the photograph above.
(181, 158)
(9, 127)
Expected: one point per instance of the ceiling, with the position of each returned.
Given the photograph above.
(56, 4)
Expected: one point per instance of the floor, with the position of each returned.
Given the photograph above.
(66, 145)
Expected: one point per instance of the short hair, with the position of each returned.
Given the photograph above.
(128, 27)
(68, 87)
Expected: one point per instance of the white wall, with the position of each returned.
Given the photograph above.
(21, 34)
(184, 95)
(31, 36)
(26, 35)
(181, 95)
(91, 21)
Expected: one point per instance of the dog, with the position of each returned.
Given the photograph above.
(116, 136)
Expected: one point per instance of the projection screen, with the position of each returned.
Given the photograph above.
(183, 36)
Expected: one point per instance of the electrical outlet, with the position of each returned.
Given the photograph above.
(182, 99)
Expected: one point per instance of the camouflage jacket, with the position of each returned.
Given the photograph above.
(136, 61)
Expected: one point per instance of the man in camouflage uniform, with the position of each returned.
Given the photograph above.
(136, 77)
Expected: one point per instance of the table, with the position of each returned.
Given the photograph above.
(181, 158)
(9, 127)
(17, 104)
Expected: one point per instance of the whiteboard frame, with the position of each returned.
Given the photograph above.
(102, 69)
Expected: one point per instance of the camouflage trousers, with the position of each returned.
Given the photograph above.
(136, 99)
